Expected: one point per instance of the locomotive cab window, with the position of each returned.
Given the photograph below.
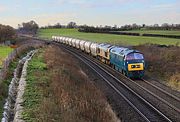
(134, 56)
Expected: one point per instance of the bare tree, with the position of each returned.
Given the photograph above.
(71, 25)
(165, 26)
(6, 33)
(29, 27)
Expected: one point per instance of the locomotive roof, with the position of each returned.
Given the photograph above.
(122, 51)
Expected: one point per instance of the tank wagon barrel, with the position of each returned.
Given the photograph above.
(93, 49)
(66, 40)
(82, 42)
(77, 43)
(87, 47)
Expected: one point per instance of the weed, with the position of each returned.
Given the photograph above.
(175, 81)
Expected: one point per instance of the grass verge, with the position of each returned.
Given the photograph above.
(36, 79)
(58, 90)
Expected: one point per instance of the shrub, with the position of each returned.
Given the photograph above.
(163, 62)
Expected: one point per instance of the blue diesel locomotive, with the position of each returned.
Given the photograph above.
(129, 62)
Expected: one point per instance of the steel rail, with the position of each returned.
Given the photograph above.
(160, 89)
(156, 96)
(137, 95)
(125, 98)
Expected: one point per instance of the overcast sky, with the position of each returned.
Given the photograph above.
(91, 12)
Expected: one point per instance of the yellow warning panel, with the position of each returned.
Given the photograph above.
(135, 67)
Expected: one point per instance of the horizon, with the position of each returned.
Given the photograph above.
(92, 13)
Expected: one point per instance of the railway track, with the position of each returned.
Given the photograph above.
(164, 99)
(169, 99)
(167, 102)
(173, 94)
(144, 108)
(170, 103)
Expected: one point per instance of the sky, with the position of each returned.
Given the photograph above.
(90, 12)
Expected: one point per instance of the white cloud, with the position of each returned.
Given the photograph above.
(84, 3)
(75, 2)
(3, 8)
(63, 18)
(42, 19)
(164, 6)
(75, 10)
(129, 1)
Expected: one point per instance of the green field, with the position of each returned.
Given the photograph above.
(108, 38)
(162, 32)
(4, 51)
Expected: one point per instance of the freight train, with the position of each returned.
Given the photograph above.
(129, 62)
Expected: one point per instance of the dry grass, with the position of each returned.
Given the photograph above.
(163, 63)
(70, 96)
(175, 81)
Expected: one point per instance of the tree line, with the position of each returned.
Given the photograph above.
(8, 33)
(164, 26)
(58, 25)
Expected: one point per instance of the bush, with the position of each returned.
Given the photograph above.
(175, 81)
(162, 61)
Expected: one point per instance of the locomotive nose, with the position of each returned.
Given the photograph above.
(135, 67)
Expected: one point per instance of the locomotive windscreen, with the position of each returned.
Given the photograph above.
(134, 56)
